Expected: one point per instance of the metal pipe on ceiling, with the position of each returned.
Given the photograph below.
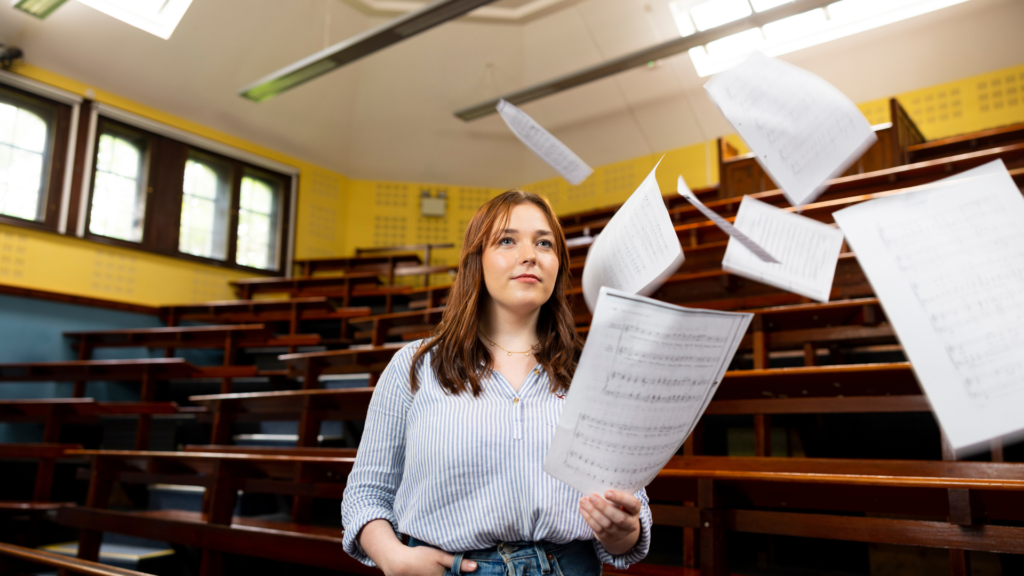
(358, 46)
(640, 58)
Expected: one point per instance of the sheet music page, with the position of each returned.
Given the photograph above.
(647, 373)
(544, 145)
(947, 262)
(808, 250)
(637, 250)
(802, 130)
(722, 223)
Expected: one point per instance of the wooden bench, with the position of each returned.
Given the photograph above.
(741, 174)
(427, 297)
(55, 412)
(229, 338)
(426, 249)
(846, 186)
(47, 456)
(215, 530)
(310, 407)
(145, 371)
(383, 264)
(292, 311)
(311, 365)
(996, 137)
(814, 498)
(405, 325)
(20, 560)
(337, 286)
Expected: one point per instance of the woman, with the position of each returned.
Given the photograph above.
(456, 433)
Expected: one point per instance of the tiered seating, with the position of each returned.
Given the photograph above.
(310, 407)
(799, 359)
(895, 178)
(216, 530)
(292, 311)
(21, 560)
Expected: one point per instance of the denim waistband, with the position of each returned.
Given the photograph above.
(509, 551)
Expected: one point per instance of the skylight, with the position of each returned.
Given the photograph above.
(158, 17)
(842, 18)
(718, 12)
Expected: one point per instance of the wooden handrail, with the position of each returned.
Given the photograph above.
(61, 562)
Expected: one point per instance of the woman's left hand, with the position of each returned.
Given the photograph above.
(615, 519)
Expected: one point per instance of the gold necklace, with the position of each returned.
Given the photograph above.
(510, 352)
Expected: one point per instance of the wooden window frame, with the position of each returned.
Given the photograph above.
(165, 188)
(55, 157)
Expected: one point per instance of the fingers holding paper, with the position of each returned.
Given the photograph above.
(615, 519)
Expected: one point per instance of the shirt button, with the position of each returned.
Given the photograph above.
(536, 371)
(515, 400)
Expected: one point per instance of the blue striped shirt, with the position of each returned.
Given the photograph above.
(465, 473)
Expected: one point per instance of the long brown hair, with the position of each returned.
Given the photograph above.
(460, 360)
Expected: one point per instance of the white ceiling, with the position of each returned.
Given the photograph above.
(389, 116)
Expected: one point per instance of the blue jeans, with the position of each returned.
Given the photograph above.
(576, 558)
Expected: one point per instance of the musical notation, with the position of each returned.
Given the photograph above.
(723, 224)
(947, 262)
(637, 250)
(807, 250)
(616, 477)
(802, 130)
(548, 148)
(646, 375)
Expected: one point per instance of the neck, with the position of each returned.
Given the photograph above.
(513, 329)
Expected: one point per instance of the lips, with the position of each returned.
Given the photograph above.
(527, 278)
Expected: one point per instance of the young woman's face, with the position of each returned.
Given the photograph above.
(521, 268)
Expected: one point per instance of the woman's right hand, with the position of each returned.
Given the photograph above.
(420, 561)
(380, 543)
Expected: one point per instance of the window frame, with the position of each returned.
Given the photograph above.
(148, 177)
(71, 176)
(59, 147)
(232, 198)
(164, 181)
(283, 215)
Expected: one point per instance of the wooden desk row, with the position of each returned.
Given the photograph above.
(957, 505)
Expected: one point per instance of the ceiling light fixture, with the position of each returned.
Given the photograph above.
(837, 20)
(158, 17)
(359, 46)
(641, 57)
(38, 8)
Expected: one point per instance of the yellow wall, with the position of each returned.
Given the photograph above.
(967, 105)
(336, 214)
(74, 266)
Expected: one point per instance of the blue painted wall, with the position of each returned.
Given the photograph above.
(31, 331)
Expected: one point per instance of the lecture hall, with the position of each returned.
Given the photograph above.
(738, 287)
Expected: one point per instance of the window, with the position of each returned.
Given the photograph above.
(33, 143)
(258, 222)
(119, 186)
(23, 146)
(205, 207)
(136, 183)
(161, 194)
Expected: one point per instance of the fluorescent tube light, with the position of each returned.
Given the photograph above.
(682, 19)
(845, 18)
(358, 46)
(717, 12)
(762, 5)
(38, 8)
(158, 17)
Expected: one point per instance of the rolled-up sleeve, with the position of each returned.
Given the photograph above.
(380, 459)
(639, 551)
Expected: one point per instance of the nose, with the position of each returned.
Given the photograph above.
(527, 254)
